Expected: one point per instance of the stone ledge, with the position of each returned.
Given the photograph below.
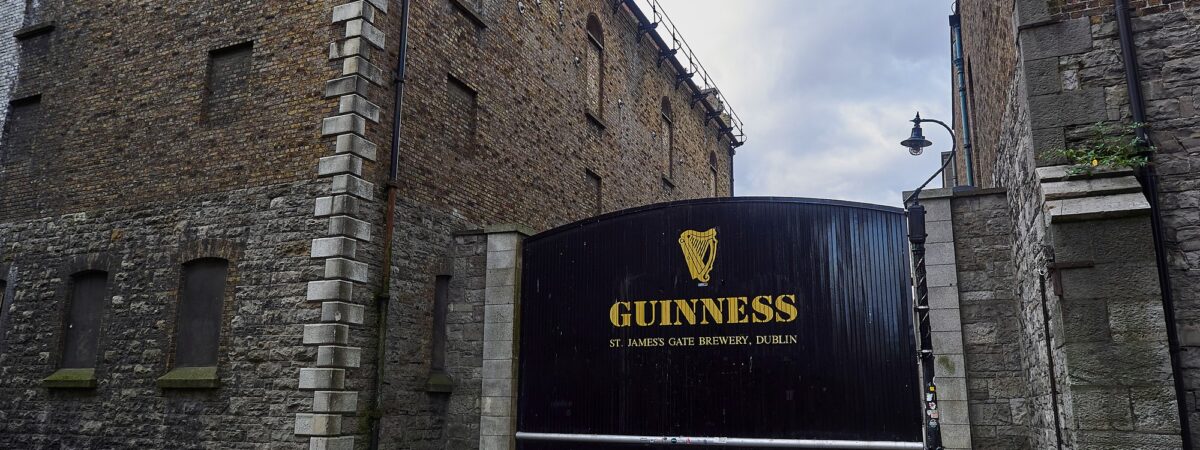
(71, 379)
(190, 378)
(332, 443)
(509, 228)
(440, 382)
(1062, 173)
(1103, 207)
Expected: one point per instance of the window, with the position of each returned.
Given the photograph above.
(20, 128)
(594, 66)
(463, 111)
(82, 324)
(667, 137)
(228, 82)
(198, 325)
(595, 184)
(441, 301)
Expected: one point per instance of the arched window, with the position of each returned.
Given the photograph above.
(81, 332)
(198, 323)
(667, 137)
(594, 66)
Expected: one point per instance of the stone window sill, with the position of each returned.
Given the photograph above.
(668, 182)
(190, 378)
(71, 379)
(439, 382)
(595, 119)
(34, 30)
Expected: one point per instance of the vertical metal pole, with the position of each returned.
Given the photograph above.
(916, 237)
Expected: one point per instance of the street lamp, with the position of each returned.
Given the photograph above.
(916, 143)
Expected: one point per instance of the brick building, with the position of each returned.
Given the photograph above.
(1066, 306)
(206, 240)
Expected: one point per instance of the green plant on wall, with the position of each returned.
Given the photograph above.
(1110, 147)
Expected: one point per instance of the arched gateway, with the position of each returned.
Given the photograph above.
(737, 323)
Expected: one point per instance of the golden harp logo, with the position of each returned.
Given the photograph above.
(699, 250)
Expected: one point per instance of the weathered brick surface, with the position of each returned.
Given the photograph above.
(12, 17)
(141, 155)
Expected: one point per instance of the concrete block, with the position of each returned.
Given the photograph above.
(497, 332)
(939, 253)
(956, 436)
(945, 320)
(353, 84)
(952, 388)
(495, 426)
(354, 10)
(501, 277)
(347, 269)
(350, 227)
(335, 402)
(1067, 37)
(936, 210)
(342, 312)
(311, 378)
(497, 369)
(954, 412)
(939, 275)
(334, 246)
(353, 185)
(347, 48)
(503, 242)
(364, 29)
(939, 231)
(496, 406)
(498, 313)
(1090, 208)
(357, 65)
(1090, 187)
(336, 205)
(356, 104)
(1042, 76)
(326, 333)
(949, 365)
(318, 424)
(330, 290)
(495, 443)
(947, 342)
(331, 443)
(345, 123)
(500, 295)
(502, 259)
(1077, 107)
(349, 143)
(338, 356)
(943, 297)
(381, 5)
(339, 165)
(497, 350)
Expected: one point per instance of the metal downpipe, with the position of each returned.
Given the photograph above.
(1149, 180)
(383, 295)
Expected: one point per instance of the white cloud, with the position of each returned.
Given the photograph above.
(826, 89)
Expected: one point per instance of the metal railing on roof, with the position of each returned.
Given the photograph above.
(688, 68)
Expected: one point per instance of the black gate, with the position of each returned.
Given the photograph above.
(739, 323)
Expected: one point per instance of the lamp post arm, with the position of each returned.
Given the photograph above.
(953, 154)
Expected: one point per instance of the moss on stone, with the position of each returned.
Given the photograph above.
(71, 379)
(190, 378)
(439, 382)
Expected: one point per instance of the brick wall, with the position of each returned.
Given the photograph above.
(152, 144)
(12, 17)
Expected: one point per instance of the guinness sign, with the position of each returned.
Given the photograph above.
(634, 331)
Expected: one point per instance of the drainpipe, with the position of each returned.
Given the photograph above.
(1149, 180)
(956, 37)
(383, 295)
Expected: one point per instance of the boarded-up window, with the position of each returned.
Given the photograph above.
(594, 66)
(463, 115)
(441, 302)
(667, 137)
(21, 128)
(198, 327)
(83, 319)
(597, 194)
(228, 83)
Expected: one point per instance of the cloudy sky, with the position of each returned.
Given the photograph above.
(825, 89)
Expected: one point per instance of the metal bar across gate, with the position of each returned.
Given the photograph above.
(715, 441)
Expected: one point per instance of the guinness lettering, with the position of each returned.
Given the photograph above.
(704, 311)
